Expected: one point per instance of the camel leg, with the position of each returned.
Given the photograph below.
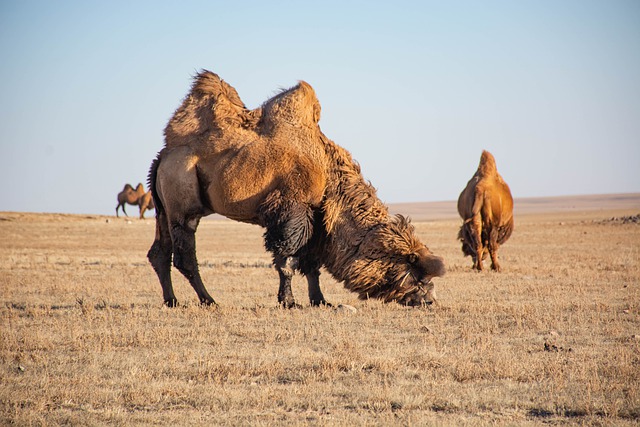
(177, 185)
(160, 257)
(315, 293)
(475, 231)
(493, 250)
(286, 267)
(184, 257)
(124, 210)
(289, 229)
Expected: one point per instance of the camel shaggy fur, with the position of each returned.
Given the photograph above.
(272, 166)
(130, 196)
(486, 208)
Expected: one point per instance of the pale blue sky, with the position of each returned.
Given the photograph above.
(415, 90)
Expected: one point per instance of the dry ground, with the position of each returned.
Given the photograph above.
(84, 339)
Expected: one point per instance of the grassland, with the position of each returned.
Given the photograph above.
(85, 340)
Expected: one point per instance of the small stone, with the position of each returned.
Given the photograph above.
(346, 308)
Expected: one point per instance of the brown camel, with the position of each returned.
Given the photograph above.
(273, 166)
(145, 203)
(486, 207)
(129, 196)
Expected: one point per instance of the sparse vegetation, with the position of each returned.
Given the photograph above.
(85, 340)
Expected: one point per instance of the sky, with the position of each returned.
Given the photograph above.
(414, 90)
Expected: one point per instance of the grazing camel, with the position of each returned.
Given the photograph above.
(272, 166)
(486, 208)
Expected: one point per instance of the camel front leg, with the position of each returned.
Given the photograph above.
(286, 267)
(315, 293)
(289, 228)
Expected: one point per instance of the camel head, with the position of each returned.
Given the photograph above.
(395, 266)
(421, 268)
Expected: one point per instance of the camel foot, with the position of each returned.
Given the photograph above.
(290, 305)
(321, 303)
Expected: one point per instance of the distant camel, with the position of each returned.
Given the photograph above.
(145, 203)
(129, 196)
(486, 207)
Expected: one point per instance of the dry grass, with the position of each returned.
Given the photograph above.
(84, 339)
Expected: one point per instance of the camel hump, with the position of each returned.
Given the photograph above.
(487, 164)
(209, 84)
(297, 107)
(211, 105)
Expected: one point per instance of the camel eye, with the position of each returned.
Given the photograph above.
(413, 258)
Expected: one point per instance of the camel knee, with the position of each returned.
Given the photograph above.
(286, 266)
(185, 265)
(159, 256)
(184, 251)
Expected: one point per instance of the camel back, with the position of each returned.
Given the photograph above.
(213, 108)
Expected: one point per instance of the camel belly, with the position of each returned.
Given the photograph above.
(237, 183)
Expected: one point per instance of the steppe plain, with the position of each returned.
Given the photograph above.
(554, 339)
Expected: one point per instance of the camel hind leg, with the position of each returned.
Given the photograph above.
(177, 186)
(160, 257)
(493, 249)
(184, 257)
(471, 236)
(475, 231)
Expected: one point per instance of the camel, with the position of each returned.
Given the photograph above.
(145, 202)
(129, 196)
(486, 208)
(273, 166)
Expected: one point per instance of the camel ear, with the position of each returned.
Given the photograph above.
(412, 258)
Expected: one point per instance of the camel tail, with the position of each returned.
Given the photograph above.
(151, 181)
